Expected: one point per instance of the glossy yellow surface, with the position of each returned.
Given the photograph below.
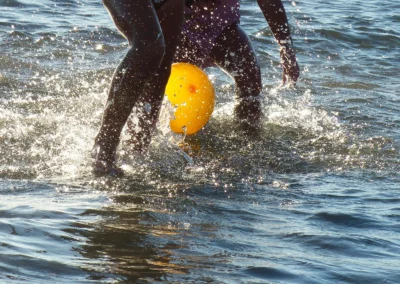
(191, 92)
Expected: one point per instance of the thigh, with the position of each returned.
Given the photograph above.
(233, 52)
(171, 17)
(189, 52)
(135, 19)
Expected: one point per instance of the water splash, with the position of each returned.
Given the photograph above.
(48, 130)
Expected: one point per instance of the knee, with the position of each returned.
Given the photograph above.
(150, 50)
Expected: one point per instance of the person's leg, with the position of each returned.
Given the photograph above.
(189, 52)
(138, 22)
(234, 54)
(154, 90)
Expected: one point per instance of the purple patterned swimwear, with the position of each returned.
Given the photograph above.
(206, 20)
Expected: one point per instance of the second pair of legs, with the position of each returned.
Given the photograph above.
(153, 31)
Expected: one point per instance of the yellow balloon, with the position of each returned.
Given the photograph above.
(192, 93)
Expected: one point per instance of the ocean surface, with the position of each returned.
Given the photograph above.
(315, 198)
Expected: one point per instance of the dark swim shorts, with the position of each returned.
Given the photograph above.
(206, 20)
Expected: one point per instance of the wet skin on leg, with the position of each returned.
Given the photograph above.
(154, 89)
(146, 61)
(234, 54)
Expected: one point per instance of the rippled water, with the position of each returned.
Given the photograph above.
(313, 199)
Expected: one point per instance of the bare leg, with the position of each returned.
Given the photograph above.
(138, 22)
(189, 52)
(234, 53)
(154, 89)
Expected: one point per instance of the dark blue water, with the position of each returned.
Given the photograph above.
(313, 199)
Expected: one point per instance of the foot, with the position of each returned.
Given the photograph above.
(102, 168)
(104, 164)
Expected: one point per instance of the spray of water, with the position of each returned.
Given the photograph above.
(50, 133)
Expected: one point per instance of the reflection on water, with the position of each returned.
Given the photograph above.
(130, 242)
(219, 229)
(312, 198)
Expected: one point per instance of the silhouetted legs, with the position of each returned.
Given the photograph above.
(143, 73)
(234, 54)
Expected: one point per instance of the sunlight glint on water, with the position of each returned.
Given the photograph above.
(313, 198)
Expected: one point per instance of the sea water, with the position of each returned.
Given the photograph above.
(313, 198)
